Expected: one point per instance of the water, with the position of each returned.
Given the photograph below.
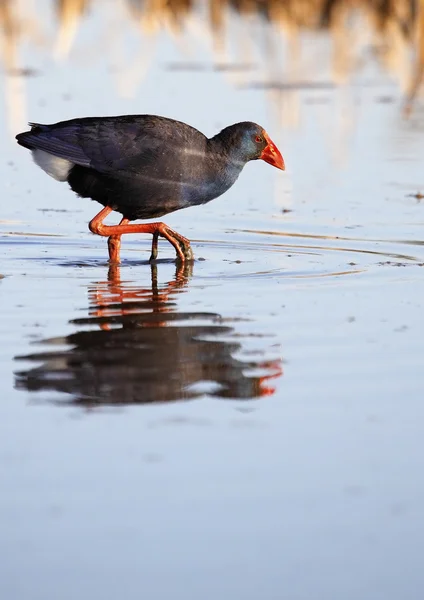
(246, 427)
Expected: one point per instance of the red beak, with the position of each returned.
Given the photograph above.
(272, 155)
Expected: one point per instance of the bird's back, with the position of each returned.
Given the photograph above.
(141, 165)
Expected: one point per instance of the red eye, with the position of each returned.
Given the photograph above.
(258, 139)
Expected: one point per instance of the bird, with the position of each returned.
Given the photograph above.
(144, 167)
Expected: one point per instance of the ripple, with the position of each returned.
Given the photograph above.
(265, 254)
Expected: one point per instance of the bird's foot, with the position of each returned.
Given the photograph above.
(188, 252)
(185, 248)
(181, 244)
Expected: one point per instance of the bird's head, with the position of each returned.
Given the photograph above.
(249, 141)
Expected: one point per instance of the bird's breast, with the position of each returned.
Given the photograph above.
(198, 188)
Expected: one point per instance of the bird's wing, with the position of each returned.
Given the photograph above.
(107, 145)
(117, 146)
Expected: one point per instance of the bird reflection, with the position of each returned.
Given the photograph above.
(136, 347)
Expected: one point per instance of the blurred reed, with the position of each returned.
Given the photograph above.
(391, 31)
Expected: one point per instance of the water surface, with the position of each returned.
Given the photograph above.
(247, 427)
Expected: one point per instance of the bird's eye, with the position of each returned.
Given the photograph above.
(258, 139)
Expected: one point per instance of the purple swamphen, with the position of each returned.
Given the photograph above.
(144, 166)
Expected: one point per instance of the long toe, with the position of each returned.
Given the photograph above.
(183, 248)
(187, 251)
(179, 251)
(184, 244)
(180, 243)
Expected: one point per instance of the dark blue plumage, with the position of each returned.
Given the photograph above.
(145, 166)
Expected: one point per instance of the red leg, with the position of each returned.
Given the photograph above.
(114, 245)
(114, 232)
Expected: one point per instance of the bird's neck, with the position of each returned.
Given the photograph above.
(225, 156)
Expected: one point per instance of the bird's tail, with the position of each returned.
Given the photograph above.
(24, 138)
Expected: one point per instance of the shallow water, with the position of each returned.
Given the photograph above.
(246, 427)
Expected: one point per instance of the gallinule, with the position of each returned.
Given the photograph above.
(145, 166)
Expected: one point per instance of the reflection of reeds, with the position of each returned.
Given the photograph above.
(10, 33)
(387, 28)
(69, 14)
(419, 59)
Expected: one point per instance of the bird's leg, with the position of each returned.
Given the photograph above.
(154, 253)
(114, 245)
(114, 248)
(180, 243)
